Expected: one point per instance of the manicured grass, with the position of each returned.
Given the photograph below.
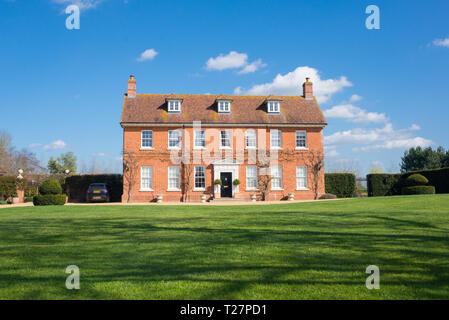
(292, 251)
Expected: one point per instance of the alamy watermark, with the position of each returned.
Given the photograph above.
(73, 280)
(373, 280)
(373, 20)
(73, 20)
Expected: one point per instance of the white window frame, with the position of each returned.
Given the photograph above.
(148, 186)
(227, 137)
(150, 139)
(301, 175)
(272, 146)
(198, 170)
(278, 170)
(303, 137)
(172, 177)
(249, 178)
(195, 136)
(170, 139)
(174, 106)
(224, 106)
(273, 106)
(253, 138)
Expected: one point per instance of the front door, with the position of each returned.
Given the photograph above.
(226, 184)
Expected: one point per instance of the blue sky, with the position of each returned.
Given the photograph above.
(381, 90)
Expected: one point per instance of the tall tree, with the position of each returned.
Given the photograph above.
(422, 159)
(66, 161)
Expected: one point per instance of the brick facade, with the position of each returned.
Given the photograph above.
(215, 159)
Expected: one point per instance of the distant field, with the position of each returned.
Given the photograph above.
(315, 250)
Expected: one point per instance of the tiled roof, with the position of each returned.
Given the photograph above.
(152, 108)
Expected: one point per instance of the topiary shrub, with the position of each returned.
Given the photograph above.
(340, 184)
(49, 200)
(50, 187)
(416, 180)
(418, 190)
(218, 182)
(236, 182)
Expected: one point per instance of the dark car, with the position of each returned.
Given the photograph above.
(98, 192)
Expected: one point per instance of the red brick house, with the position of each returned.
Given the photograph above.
(178, 145)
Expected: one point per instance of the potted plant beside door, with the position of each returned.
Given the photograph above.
(217, 185)
(236, 183)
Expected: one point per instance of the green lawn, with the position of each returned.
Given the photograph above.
(316, 250)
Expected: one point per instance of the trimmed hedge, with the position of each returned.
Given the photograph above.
(49, 200)
(76, 186)
(391, 184)
(418, 190)
(50, 187)
(416, 180)
(341, 184)
(8, 187)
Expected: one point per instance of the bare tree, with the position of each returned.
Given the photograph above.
(130, 168)
(314, 160)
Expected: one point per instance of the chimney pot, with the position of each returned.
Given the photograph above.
(131, 87)
(307, 89)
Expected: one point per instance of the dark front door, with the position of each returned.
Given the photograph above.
(226, 186)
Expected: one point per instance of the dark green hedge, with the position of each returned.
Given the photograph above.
(340, 184)
(391, 184)
(50, 187)
(8, 187)
(49, 200)
(76, 186)
(418, 190)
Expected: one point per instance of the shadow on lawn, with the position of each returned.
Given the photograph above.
(227, 260)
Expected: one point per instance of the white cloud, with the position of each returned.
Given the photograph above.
(355, 98)
(354, 114)
(290, 84)
(56, 145)
(441, 42)
(100, 154)
(378, 138)
(330, 151)
(253, 67)
(234, 60)
(34, 145)
(148, 54)
(82, 4)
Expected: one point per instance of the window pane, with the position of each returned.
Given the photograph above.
(251, 138)
(147, 139)
(200, 139)
(276, 177)
(225, 140)
(146, 178)
(301, 177)
(200, 177)
(173, 177)
(251, 177)
(173, 138)
(301, 139)
(275, 138)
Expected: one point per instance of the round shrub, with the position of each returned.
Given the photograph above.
(49, 200)
(416, 180)
(328, 196)
(236, 182)
(218, 182)
(50, 187)
(418, 190)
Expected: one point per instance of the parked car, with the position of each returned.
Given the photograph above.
(98, 192)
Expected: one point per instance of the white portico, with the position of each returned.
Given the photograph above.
(223, 167)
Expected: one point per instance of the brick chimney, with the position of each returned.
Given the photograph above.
(307, 89)
(131, 87)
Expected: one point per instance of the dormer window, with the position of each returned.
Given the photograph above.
(174, 106)
(273, 106)
(224, 106)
